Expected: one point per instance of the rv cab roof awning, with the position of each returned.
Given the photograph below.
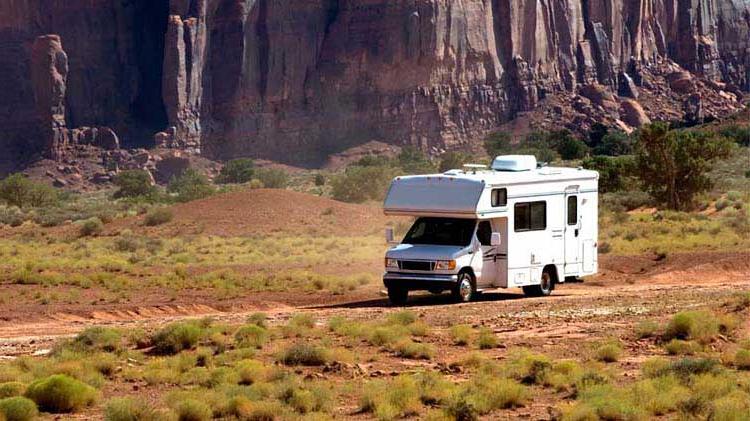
(433, 195)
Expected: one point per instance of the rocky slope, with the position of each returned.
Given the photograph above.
(298, 80)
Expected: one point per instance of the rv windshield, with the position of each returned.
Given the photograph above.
(441, 231)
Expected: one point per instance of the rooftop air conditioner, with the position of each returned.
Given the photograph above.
(514, 163)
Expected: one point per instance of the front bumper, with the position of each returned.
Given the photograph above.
(419, 281)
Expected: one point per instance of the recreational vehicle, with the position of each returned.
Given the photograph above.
(516, 224)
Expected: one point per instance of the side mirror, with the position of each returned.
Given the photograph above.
(496, 239)
(389, 235)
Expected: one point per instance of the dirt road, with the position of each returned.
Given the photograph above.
(627, 290)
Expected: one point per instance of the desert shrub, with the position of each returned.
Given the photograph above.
(614, 144)
(385, 335)
(361, 183)
(176, 337)
(319, 180)
(17, 190)
(91, 227)
(393, 399)
(658, 396)
(569, 147)
(614, 172)
(461, 334)
(608, 352)
(129, 409)
(609, 403)
(604, 247)
(486, 339)
(272, 178)
(453, 161)
(733, 407)
(193, 410)
(305, 354)
(251, 336)
(12, 216)
(10, 389)
(737, 133)
(237, 171)
(251, 372)
(684, 368)
(190, 185)
(680, 347)
(699, 325)
(414, 161)
(134, 183)
(646, 329)
(406, 348)
(673, 165)
(528, 367)
(742, 359)
(258, 319)
(403, 318)
(61, 394)
(487, 393)
(158, 216)
(18, 409)
(97, 338)
(498, 143)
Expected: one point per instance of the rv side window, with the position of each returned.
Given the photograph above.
(572, 210)
(530, 216)
(499, 197)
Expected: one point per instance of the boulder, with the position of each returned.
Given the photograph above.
(106, 139)
(681, 82)
(599, 95)
(171, 166)
(632, 113)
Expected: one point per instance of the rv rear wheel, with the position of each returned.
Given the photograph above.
(544, 288)
(398, 296)
(465, 288)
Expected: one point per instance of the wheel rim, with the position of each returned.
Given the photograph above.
(545, 282)
(464, 289)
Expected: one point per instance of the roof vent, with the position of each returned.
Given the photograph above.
(514, 163)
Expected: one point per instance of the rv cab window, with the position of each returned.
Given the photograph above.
(499, 197)
(441, 231)
(530, 216)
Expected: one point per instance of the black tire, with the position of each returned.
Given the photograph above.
(544, 289)
(398, 296)
(435, 291)
(465, 289)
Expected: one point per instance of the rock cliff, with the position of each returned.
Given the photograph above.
(297, 80)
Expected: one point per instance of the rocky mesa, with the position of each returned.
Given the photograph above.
(296, 81)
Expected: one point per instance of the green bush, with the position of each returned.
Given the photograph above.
(486, 339)
(272, 178)
(17, 190)
(608, 352)
(251, 336)
(614, 144)
(305, 354)
(406, 348)
(237, 171)
(645, 329)
(130, 409)
(176, 337)
(10, 389)
(742, 359)
(11, 216)
(158, 216)
(673, 165)
(614, 172)
(97, 338)
(91, 227)
(699, 325)
(461, 334)
(361, 183)
(320, 180)
(569, 147)
(737, 133)
(18, 409)
(134, 183)
(61, 394)
(414, 161)
(190, 185)
(498, 143)
(193, 410)
(453, 161)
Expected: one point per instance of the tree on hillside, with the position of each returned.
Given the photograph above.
(453, 161)
(18, 190)
(237, 171)
(134, 183)
(672, 164)
(614, 171)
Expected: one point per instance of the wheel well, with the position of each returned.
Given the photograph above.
(468, 270)
(552, 270)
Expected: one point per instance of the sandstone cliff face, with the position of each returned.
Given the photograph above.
(297, 80)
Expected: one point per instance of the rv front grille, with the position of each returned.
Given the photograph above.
(416, 265)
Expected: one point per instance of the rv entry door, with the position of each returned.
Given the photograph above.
(572, 234)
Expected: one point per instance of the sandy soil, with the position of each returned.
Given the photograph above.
(627, 290)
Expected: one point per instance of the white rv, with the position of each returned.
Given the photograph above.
(516, 224)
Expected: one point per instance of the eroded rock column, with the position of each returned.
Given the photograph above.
(49, 73)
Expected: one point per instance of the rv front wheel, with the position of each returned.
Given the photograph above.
(398, 296)
(544, 288)
(464, 290)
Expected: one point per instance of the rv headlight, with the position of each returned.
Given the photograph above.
(391, 263)
(445, 265)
